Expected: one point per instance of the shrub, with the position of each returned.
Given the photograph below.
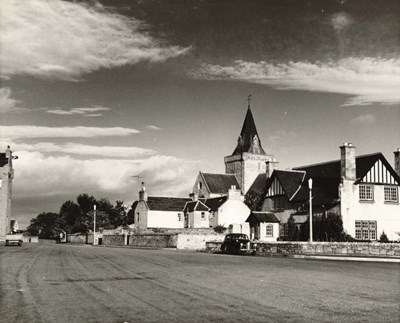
(219, 229)
(383, 237)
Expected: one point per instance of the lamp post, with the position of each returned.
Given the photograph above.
(310, 187)
(94, 224)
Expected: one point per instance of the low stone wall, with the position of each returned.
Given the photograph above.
(153, 240)
(30, 239)
(321, 248)
(197, 241)
(82, 238)
(114, 240)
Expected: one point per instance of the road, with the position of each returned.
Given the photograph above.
(50, 282)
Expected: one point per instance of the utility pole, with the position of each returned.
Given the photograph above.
(94, 224)
(310, 182)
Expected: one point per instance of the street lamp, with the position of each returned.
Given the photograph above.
(94, 224)
(310, 187)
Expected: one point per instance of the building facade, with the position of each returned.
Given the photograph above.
(6, 179)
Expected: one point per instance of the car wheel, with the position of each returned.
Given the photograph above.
(253, 253)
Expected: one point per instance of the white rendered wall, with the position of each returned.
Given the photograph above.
(164, 219)
(232, 211)
(386, 215)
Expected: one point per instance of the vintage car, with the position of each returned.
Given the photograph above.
(237, 243)
(14, 239)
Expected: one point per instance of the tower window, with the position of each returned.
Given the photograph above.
(200, 185)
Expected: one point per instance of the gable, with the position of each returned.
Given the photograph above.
(379, 174)
(275, 188)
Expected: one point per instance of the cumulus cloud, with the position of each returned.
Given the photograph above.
(364, 80)
(81, 149)
(69, 176)
(19, 132)
(7, 103)
(94, 111)
(154, 128)
(64, 40)
(364, 119)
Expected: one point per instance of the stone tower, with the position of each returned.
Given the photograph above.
(6, 177)
(248, 160)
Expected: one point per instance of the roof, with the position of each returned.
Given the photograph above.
(290, 181)
(214, 203)
(195, 206)
(3, 159)
(245, 142)
(326, 177)
(262, 217)
(166, 203)
(220, 183)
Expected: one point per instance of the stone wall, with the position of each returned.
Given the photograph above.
(353, 249)
(114, 240)
(153, 240)
(80, 238)
(196, 242)
(32, 239)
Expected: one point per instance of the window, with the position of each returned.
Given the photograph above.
(269, 232)
(200, 185)
(179, 217)
(203, 215)
(366, 193)
(391, 194)
(366, 230)
(279, 203)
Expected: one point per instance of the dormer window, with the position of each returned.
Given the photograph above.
(366, 192)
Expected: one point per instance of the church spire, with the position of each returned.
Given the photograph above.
(248, 140)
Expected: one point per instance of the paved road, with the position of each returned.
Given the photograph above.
(64, 283)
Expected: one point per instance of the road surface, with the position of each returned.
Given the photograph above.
(50, 282)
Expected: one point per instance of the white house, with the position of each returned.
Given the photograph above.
(363, 189)
(159, 212)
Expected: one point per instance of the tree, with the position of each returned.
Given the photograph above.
(383, 237)
(44, 225)
(71, 218)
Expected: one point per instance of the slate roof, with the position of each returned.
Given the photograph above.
(166, 203)
(290, 181)
(262, 217)
(247, 134)
(195, 206)
(214, 203)
(3, 159)
(220, 183)
(326, 177)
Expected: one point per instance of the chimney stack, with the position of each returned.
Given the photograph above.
(270, 167)
(397, 161)
(143, 193)
(348, 162)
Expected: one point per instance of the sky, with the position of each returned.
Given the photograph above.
(96, 93)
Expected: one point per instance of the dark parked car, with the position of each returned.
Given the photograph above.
(237, 243)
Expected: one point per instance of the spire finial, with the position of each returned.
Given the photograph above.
(248, 100)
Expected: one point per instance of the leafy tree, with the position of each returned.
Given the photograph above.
(71, 217)
(44, 225)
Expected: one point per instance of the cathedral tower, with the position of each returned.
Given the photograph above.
(248, 160)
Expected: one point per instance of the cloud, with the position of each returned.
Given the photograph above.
(365, 119)
(7, 103)
(50, 178)
(154, 128)
(65, 40)
(364, 80)
(86, 112)
(19, 132)
(82, 150)
(340, 21)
